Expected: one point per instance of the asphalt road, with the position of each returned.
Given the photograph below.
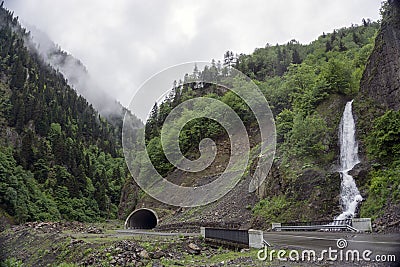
(379, 244)
(147, 232)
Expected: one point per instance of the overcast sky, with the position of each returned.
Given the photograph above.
(124, 42)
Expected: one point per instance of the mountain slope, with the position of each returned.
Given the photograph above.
(77, 76)
(307, 87)
(60, 158)
(378, 120)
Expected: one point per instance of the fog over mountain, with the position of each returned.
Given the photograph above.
(122, 43)
(74, 71)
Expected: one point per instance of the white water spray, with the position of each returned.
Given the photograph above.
(349, 194)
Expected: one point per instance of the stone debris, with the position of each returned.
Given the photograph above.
(130, 253)
(144, 254)
(194, 249)
(58, 227)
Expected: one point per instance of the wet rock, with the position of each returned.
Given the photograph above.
(157, 254)
(76, 241)
(144, 254)
(194, 249)
(94, 230)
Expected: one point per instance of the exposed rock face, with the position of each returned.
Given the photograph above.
(128, 200)
(381, 79)
(379, 92)
(312, 189)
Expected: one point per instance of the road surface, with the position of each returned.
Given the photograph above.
(387, 245)
(147, 232)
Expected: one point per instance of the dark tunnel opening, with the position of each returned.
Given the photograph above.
(141, 219)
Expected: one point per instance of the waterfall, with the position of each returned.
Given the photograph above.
(349, 194)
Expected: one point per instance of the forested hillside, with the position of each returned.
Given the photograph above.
(307, 96)
(294, 78)
(65, 153)
(307, 87)
(378, 111)
(59, 159)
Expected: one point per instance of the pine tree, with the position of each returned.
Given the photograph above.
(27, 155)
(356, 38)
(328, 46)
(296, 57)
(18, 75)
(342, 47)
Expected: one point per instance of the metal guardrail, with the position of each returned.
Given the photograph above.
(316, 227)
(335, 225)
(266, 244)
(195, 225)
(228, 235)
(312, 223)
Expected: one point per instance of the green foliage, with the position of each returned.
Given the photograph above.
(272, 209)
(295, 95)
(284, 124)
(297, 80)
(64, 160)
(68, 164)
(306, 87)
(330, 67)
(338, 75)
(20, 194)
(11, 262)
(157, 156)
(308, 137)
(239, 106)
(271, 61)
(67, 265)
(384, 188)
(383, 142)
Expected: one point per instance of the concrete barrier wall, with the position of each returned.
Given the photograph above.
(203, 232)
(362, 224)
(274, 225)
(255, 238)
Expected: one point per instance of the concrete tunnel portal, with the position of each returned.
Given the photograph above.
(141, 219)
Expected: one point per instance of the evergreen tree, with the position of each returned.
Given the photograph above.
(296, 57)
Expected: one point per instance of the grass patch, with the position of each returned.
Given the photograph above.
(272, 209)
(11, 262)
(384, 188)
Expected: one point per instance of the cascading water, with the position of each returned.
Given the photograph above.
(349, 194)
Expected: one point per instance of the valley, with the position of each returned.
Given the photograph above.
(75, 164)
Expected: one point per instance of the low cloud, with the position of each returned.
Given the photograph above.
(74, 71)
(124, 42)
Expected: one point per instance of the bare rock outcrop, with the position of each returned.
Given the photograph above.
(381, 78)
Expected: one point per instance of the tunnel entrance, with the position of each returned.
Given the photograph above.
(141, 219)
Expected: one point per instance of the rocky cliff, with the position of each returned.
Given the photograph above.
(379, 95)
(381, 79)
